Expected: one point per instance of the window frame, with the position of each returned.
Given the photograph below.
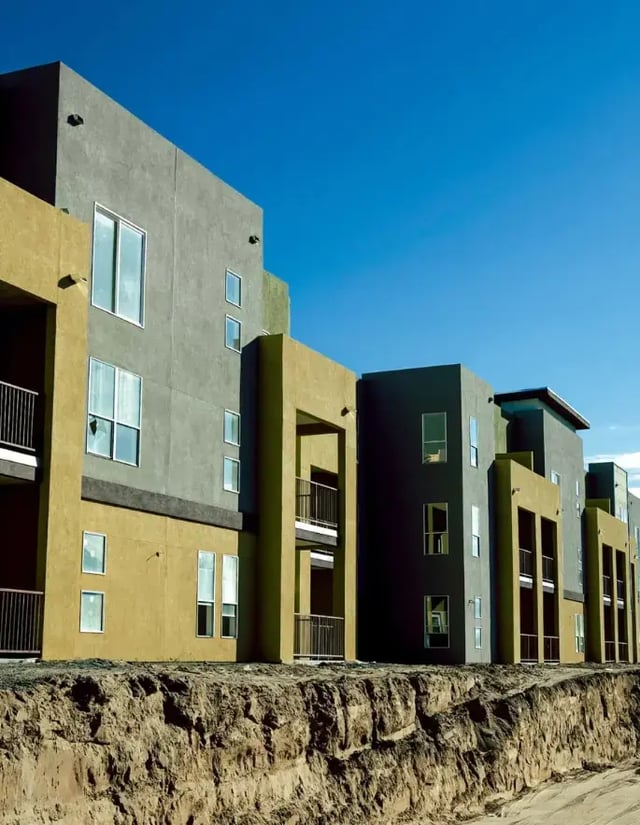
(119, 219)
(84, 592)
(426, 533)
(477, 632)
(474, 452)
(477, 607)
(227, 318)
(579, 634)
(200, 601)
(231, 272)
(233, 604)
(224, 427)
(475, 545)
(235, 461)
(439, 441)
(114, 421)
(103, 572)
(556, 474)
(432, 633)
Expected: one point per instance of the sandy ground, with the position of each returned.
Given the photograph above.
(612, 796)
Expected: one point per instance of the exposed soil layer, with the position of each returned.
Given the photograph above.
(255, 744)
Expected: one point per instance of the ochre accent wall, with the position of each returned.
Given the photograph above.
(568, 611)
(293, 379)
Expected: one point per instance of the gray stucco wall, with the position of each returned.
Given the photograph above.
(196, 227)
(477, 401)
(276, 305)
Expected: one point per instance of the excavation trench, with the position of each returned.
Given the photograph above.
(234, 745)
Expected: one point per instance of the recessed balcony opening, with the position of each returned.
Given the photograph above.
(526, 543)
(607, 573)
(551, 638)
(548, 549)
(609, 635)
(319, 634)
(317, 496)
(528, 626)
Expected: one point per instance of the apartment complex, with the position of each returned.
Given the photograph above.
(174, 484)
(480, 530)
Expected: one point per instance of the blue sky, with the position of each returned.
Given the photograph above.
(441, 182)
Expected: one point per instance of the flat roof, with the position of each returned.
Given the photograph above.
(551, 399)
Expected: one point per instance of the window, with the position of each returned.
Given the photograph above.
(94, 553)
(579, 621)
(580, 562)
(117, 283)
(113, 427)
(475, 531)
(232, 333)
(577, 499)
(436, 621)
(205, 622)
(477, 607)
(91, 612)
(621, 513)
(434, 437)
(555, 477)
(436, 536)
(473, 441)
(477, 634)
(231, 481)
(229, 597)
(231, 428)
(233, 288)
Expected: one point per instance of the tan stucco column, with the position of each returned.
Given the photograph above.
(303, 581)
(344, 567)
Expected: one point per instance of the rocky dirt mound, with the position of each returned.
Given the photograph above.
(250, 745)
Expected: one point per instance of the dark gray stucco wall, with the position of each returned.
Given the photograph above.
(477, 401)
(196, 227)
(394, 484)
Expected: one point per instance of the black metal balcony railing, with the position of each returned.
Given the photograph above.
(609, 651)
(526, 562)
(316, 504)
(17, 414)
(606, 586)
(620, 589)
(623, 651)
(318, 637)
(528, 647)
(20, 622)
(551, 649)
(547, 569)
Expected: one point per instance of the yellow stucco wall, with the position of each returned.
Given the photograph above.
(294, 378)
(39, 247)
(319, 451)
(568, 611)
(150, 589)
(519, 487)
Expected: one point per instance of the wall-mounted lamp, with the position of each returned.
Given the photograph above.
(75, 120)
(70, 280)
(254, 239)
(515, 490)
(347, 411)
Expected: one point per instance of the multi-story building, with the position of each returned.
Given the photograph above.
(206, 484)
(475, 525)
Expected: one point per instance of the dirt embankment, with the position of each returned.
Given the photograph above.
(189, 745)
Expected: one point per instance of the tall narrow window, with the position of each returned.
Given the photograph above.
(233, 288)
(579, 557)
(477, 635)
(555, 478)
(436, 529)
(94, 553)
(579, 619)
(113, 426)
(229, 597)
(118, 267)
(231, 428)
(475, 531)
(231, 480)
(91, 612)
(436, 621)
(477, 607)
(473, 441)
(232, 339)
(434, 437)
(205, 620)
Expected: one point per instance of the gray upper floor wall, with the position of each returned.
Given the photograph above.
(196, 228)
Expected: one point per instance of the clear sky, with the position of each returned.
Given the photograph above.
(442, 181)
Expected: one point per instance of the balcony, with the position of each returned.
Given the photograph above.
(609, 651)
(20, 622)
(528, 647)
(17, 415)
(606, 587)
(316, 506)
(620, 590)
(526, 562)
(318, 637)
(551, 649)
(623, 651)
(547, 569)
